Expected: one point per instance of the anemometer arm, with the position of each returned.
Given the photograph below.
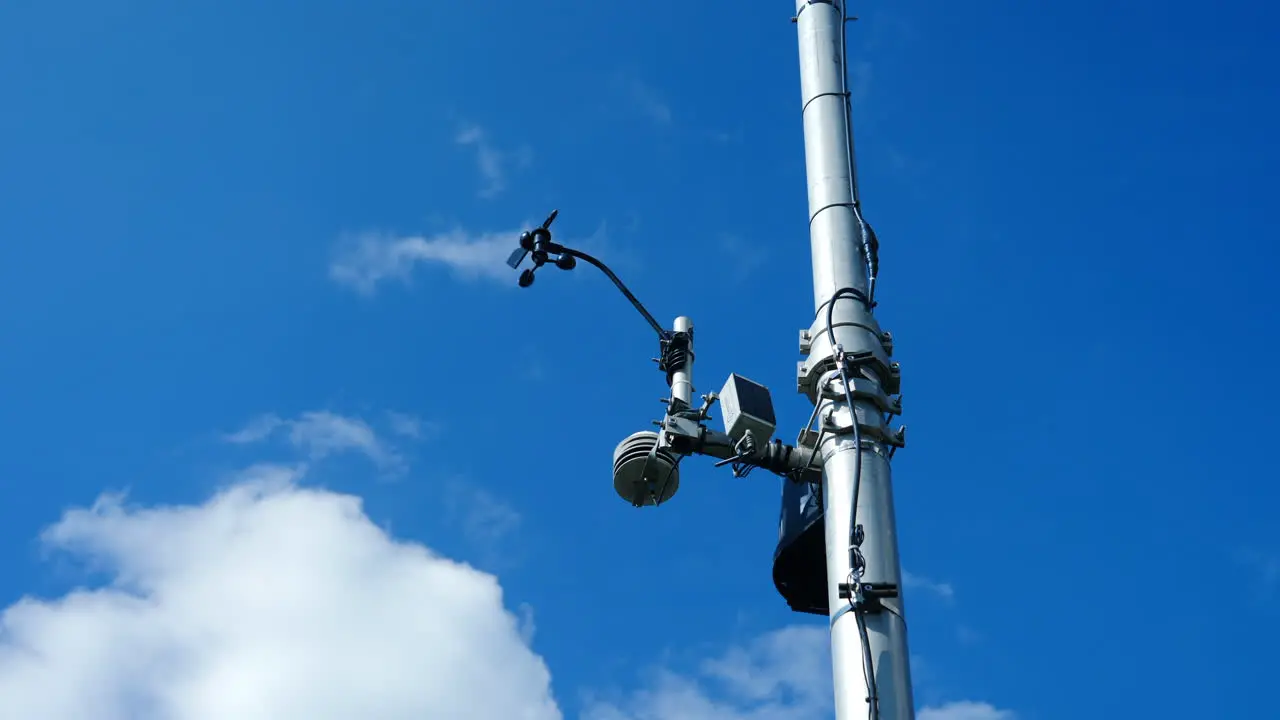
(674, 346)
(538, 243)
(662, 332)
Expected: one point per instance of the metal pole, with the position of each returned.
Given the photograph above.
(839, 262)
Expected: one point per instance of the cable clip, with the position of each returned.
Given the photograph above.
(743, 451)
(868, 597)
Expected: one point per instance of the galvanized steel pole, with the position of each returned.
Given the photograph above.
(853, 463)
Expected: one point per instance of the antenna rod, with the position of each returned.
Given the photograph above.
(848, 365)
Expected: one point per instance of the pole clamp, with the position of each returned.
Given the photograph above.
(868, 597)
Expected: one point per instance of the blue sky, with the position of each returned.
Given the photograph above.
(250, 267)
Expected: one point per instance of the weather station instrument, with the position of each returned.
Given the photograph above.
(646, 464)
(837, 553)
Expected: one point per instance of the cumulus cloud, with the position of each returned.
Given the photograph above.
(267, 601)
(321, 434)
(781, 675)
(273, 600)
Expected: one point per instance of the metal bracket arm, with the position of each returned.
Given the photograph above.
(686, 436)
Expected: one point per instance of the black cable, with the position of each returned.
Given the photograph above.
(870, 244)
(857, 449)
(849, 292)
(817, 443)
(662, 332)
(856, 561)
(855, 551)
(891, 611)
(868, 668)
(848, 389)
(665, 481)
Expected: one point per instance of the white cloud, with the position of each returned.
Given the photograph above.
(965, 710)
(486, 518)
(792, 662)
(649, 101)
(410, 426)
(782, 675)
(271, 600)
(941, 589)
(367, 259)
(968, 635)
(488, 160)
(325, 433)
(321, 434)
(268, 601)
(528, 627)
(363, 261)
(485, 521)
(492, 163)
(257, 430)
(742, 258)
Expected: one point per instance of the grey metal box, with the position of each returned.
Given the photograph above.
(746, 406)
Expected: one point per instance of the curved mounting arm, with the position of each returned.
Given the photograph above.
(662, 332)
(538, 244)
